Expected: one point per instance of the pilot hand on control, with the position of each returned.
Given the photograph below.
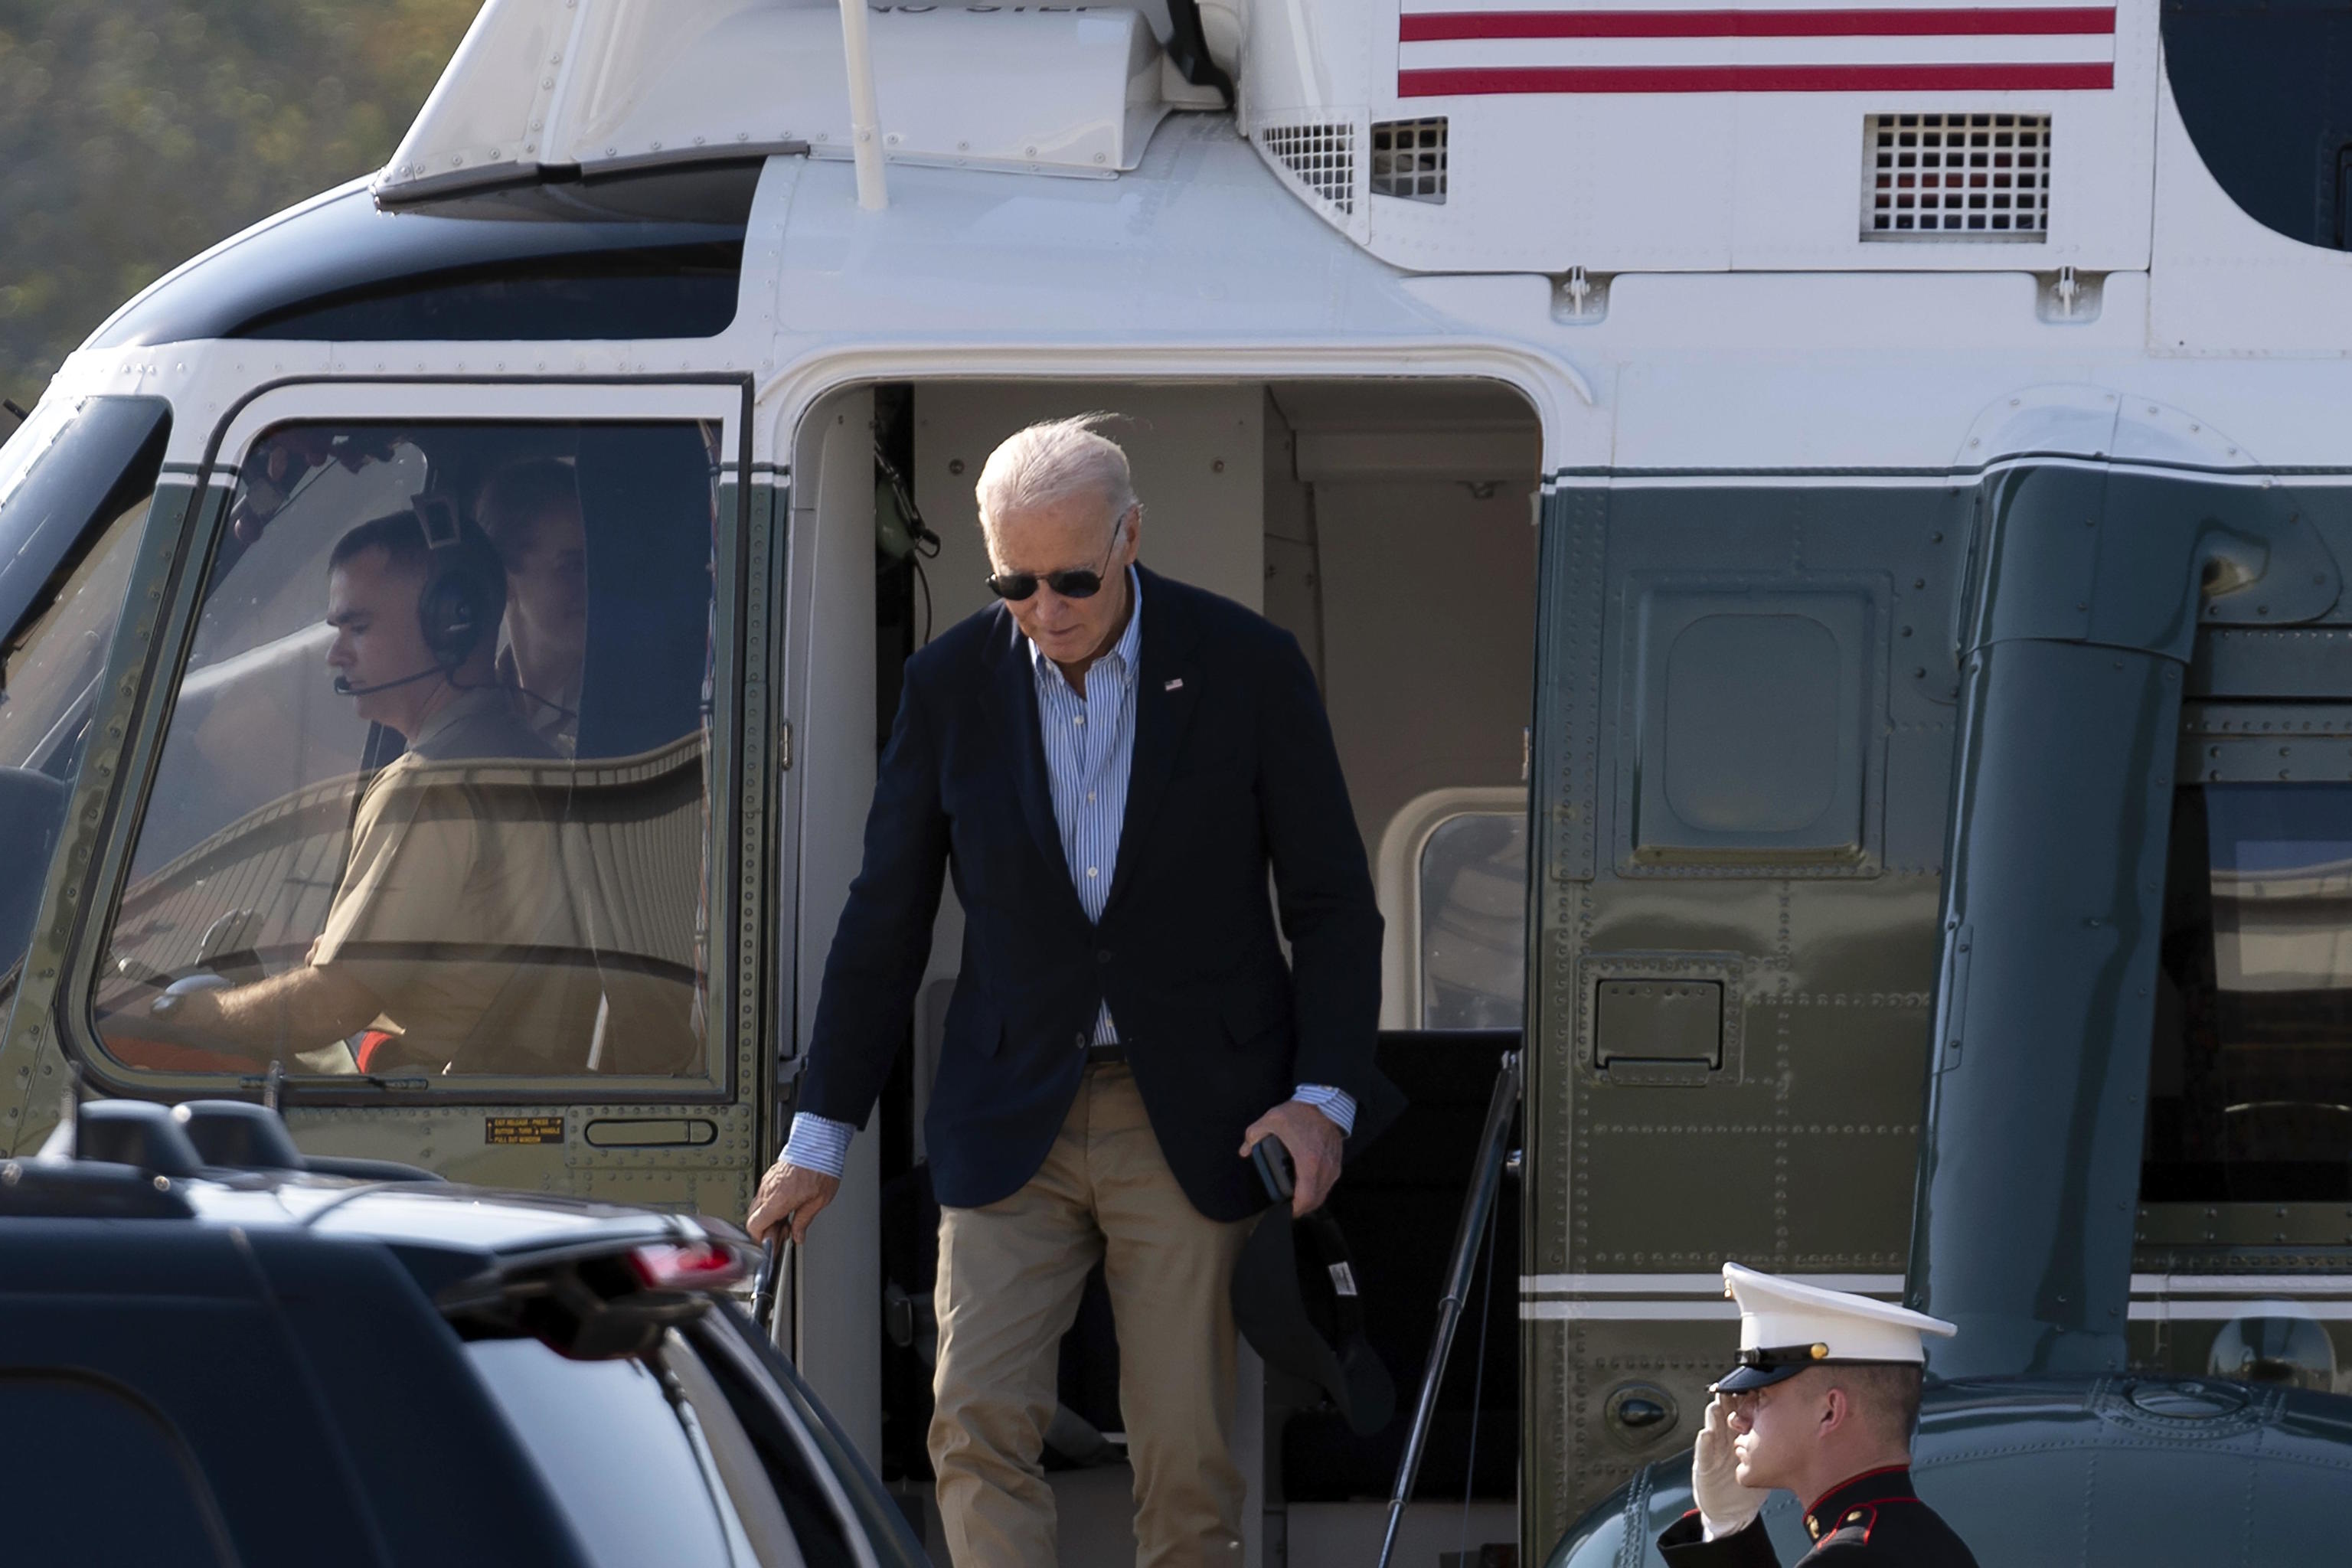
(790, 1194)
(1725, 1507)
(299, 1010)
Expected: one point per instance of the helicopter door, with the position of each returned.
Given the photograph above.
(1740, 776)
(434, 837)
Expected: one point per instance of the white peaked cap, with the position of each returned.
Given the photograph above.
(1824, 1325)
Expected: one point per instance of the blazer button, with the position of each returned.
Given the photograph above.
(1102, 955)
(1081, 1038)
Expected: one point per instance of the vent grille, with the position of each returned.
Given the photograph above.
(1321, 157)
(1409, 159)
(1956, 176)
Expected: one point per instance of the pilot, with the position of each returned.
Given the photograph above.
(1823, 1404)
(532, 512)
(446, 882)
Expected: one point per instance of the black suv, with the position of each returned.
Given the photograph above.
(216, 1351)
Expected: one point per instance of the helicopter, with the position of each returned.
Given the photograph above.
(1821, 530)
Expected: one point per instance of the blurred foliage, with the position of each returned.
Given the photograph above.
(134, 133)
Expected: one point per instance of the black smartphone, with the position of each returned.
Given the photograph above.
(1272, 1161)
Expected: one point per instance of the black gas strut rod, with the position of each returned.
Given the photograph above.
(1188, 46)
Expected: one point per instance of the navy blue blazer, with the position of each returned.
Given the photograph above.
(1234, 773)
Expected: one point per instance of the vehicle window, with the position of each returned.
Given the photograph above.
(2250, 1094)
(431, 803)
(75, 485)
(644, 1455)
(1474, 923)
(70, 1509)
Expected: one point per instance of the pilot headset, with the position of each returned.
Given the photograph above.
(465, 584)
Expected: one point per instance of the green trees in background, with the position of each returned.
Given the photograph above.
(134, 133)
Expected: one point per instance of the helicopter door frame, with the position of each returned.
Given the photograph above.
(732, 1099)
(824, 676)
(835, 1324)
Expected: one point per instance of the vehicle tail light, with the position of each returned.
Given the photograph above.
(700, 1266)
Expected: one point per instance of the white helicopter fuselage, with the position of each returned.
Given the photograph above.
(1660, 265)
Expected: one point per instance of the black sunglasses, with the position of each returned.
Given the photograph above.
(1079, 585)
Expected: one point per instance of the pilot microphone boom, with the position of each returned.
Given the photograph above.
(344, 687)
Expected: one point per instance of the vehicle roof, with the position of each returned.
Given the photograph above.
(404, 1214)
(429, 1213)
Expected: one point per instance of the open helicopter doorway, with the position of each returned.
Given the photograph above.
(1388, 526)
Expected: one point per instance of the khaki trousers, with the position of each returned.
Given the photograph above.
(1009, 1278)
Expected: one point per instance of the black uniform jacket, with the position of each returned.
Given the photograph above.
(1234, 773)
(1872, 1519)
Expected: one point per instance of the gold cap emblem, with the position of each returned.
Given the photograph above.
(1820, 1353)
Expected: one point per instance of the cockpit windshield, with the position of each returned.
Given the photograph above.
(75, 483)
(431, 803)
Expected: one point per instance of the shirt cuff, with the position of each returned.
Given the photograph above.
(1336, 1104)
(818, 1143)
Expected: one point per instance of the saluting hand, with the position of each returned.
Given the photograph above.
(1313, 1139)
(1725, 1507)
(788, 1193)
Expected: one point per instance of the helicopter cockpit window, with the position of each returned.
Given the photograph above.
(2250, 1093)
(432, 801)
(75, 484)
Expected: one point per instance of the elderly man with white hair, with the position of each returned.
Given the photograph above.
(1109, 763)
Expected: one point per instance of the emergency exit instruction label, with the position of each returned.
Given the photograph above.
(524, 1130)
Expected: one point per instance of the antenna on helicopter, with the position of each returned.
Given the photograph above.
(864, 113)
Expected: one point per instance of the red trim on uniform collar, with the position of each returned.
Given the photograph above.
(1857, 1480)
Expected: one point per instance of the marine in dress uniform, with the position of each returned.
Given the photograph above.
(1843, 1436)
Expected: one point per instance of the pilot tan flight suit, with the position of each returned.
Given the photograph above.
(454, 909)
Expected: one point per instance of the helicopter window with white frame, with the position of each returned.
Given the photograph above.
(1474, 921)
(433, 798)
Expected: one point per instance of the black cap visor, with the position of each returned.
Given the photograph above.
(1763, 1368)
(1741, 1379)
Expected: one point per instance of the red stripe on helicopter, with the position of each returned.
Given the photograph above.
(1829, 47)
(1472, 81)
(1440, 27)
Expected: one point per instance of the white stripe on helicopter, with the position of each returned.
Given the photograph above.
(2181, 1298)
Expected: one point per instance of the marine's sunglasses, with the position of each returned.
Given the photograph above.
(1079, 585)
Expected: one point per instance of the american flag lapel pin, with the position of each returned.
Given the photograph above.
(1173, 685)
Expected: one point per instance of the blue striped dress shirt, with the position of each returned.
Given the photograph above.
(1089, 752)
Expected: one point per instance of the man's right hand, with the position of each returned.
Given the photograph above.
(1725, 1507)
(790, 1194)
